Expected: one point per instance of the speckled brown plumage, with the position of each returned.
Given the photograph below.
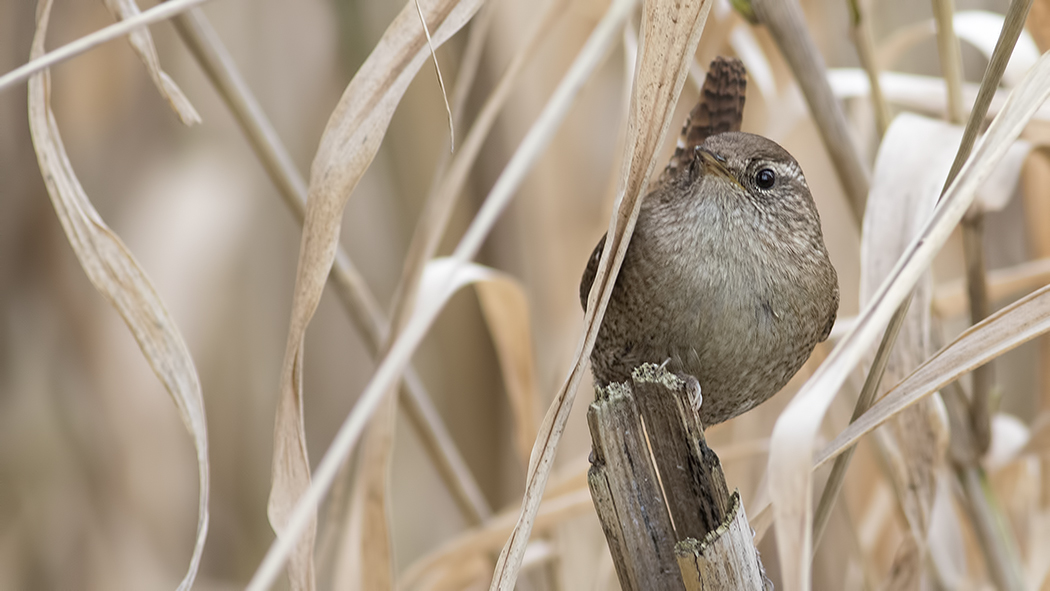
(726, 278)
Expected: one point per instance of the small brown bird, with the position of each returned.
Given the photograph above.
(726, 278)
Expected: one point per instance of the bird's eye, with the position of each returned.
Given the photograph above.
(765, 178)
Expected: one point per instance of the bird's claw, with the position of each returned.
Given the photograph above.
(692, 386)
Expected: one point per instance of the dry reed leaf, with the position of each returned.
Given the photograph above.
(350, 141)
(506, 310)
(670, 32)
(790, 459)
(912, 162)
(368, 560)
(913, 92)
(443, 278)
(142, 42)
(118, 277)
(1012, 326)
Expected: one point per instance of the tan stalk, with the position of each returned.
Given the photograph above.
(446, 276)
(72, 49)
(790, 482)
(349, 286)
(348, 144)
(118, 277)
(996, 66)
(860, 32)
(369, 557)
(142, 42)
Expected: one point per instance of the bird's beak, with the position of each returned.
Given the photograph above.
(714, 165)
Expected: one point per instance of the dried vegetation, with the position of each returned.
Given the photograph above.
(301, 249)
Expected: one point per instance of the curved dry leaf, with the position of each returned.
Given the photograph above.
(443, 278)
(670, 34)
(916, 165)
(1012, 326)
(506, 309)
(118, 277)
(142, 42)
(790, 459)
(913, 159)
(350, 141)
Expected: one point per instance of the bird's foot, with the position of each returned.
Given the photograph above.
(664, 364)
(692, 386)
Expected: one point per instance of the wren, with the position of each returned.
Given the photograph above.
(726, 278)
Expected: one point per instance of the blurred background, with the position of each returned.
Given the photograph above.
(98, 478)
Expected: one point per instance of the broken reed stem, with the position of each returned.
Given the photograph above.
(786, 23)
(363, 308)
(660, 493)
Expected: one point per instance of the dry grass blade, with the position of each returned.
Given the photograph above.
(899, 203)
(445, 277)
(70, 50)
(349, 285)
(441, 79)
(118, 277)
(142, 42)
(506, 310)
(370, 554)
(441, 202)
(790, 483)
(670, 33)
(367, 559)
(999, 333)
(350, 141)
